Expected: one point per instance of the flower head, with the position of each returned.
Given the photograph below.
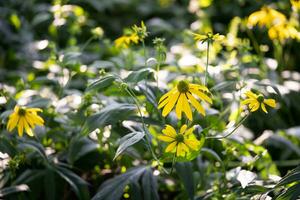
(182, 95)
(180, 143)
(255, 101)
(266, 16)
(126, 40)
(24, 118)
(140, 31)
(296, 4)
(210, 37)
(283, 31)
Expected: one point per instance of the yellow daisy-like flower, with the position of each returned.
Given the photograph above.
(283, 32)
(266, 16)
(24, 118)
(255, 101)
(208, 37)
(180, 143)
(125, 40)
(182, 95)
(295, 4)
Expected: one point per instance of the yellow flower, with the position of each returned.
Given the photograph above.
(283, 32)
(125, 40)
(210, 37)
(295, 4)
(180, 143)
(255, 101)
(24, 118)
(183, 94)
(266, 16)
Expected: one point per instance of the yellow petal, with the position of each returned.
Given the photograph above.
(165, 138)
(34, 110)
(182, 129)
(12, 122)
(36, 119)
(173, 99)
(199, 87)
(182, 149)
(171, 147)
(179, 106)
(186, 108)
(263, 107)
(247, 101)
(27, 128)
(20, 127)
(189, 131)
(254, 107)
(166, 95)
(169, 131)
(250, 94)
(192, 143)
(201, 95)
(270, 102)
(16, 109)
(196, 104)
(163, 103)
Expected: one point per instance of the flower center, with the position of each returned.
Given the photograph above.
(179, 138)
(260, 98)
(21, 112)
(183, 86)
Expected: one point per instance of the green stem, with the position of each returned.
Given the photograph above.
(87, 43)
(173, 162)
(207, 60)
(227, 135)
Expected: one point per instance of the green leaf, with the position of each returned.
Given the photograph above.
(211, 154)
(137, 76)
(292, 193)
(185, 173)
(13, 189)
(291, 177)
(111, 114)
(149, 184)
(7, 147)
(102, 83)
(112, 189)
(38, 148)
(79, 147)
(129, 140)
(39, 103)
(28, 175)
(78, 185)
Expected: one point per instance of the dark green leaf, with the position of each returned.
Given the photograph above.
(185, 173)
(101, 83)
(149, 184)
(137, 76)
(13, 189)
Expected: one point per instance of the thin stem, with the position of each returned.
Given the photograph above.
(207, 60)
(173, 162)
(227, 135)
(87, 43)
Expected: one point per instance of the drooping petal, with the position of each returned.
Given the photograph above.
(171, 147)
(199, 87)
(196, 104)
(173, 99)
(182, 129)
(165, 138)
(16, 109)
(184, 148)
(27, 128)
(263, 107)
(20, 127)
(12, 122)
(270, 102)
(169, 131)
(36, 119)
(255, 107)
(179, 150)
(186, 108)
(201, 95)
(166, 95)
(179, 106)
(34, 110)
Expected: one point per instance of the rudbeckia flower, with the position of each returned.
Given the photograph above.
(24, 118)
(126, 40)
(296, 4)
(266, 16)
(255, 102)
(180, 143)
(284, 31)
(210, 37)
(182, 95)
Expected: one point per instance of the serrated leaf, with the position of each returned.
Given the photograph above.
(129, 140)
(112, 189)
(101, 83)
